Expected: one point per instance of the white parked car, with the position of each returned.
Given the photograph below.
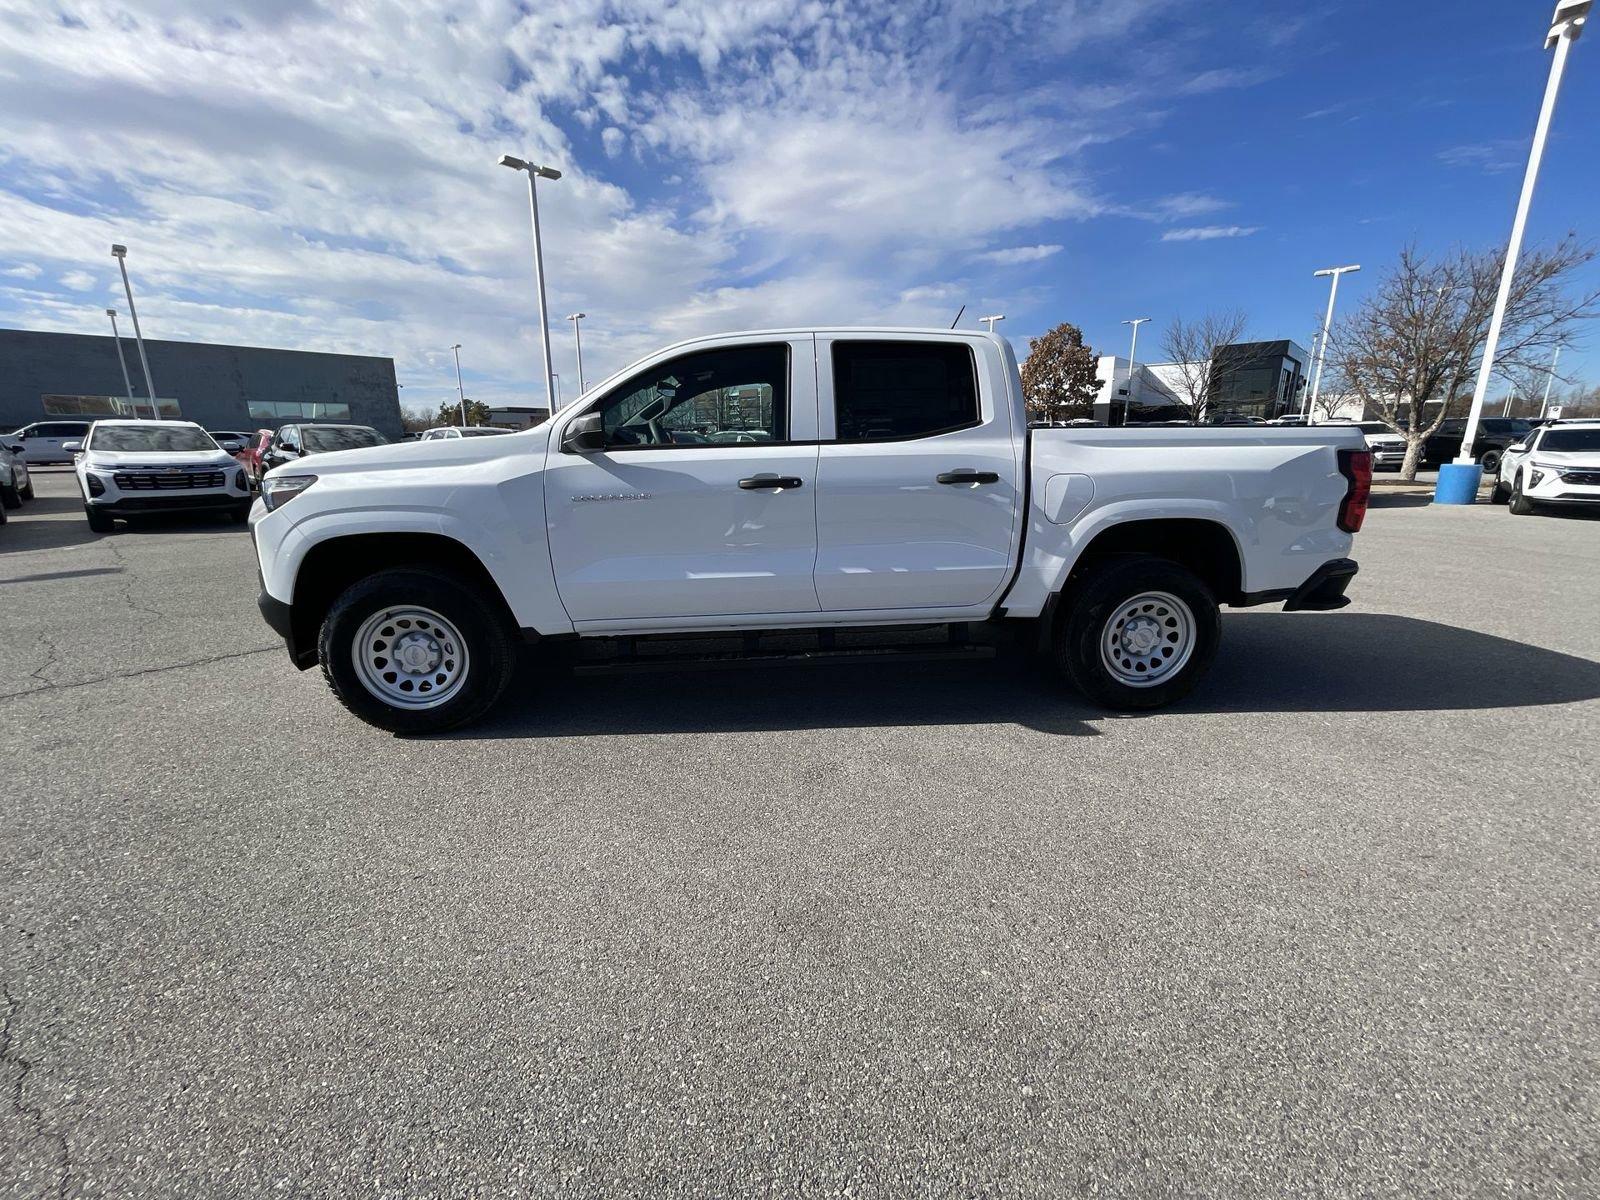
(1556, 464)
(899, 484)
(15, 483)
(444, 432)
(46, 441)
(132, 468)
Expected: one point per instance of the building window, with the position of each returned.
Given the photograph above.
(298, 410)
(106, 406)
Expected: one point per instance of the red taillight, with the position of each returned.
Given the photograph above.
(1356, 467)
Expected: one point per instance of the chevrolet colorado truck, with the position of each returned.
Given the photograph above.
(799, 481)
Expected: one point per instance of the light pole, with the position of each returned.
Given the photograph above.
(577, 334)
(1327, 321)
(128, 383)
(120, 253)
(535, 173)
(1458, 481)
(990, 322)
(1548, 380)
(556, 377)
(460, 391)
(1133, 350)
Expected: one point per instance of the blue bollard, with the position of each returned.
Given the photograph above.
(1458, 483)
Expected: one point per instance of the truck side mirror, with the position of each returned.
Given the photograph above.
(584, 435)
(72, 447)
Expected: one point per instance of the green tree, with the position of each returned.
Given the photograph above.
(450, 413)
(1058, 379)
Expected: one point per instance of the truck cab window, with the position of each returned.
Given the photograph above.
(891, 391)
(736, 395)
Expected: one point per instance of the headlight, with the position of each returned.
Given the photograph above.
(279, 490)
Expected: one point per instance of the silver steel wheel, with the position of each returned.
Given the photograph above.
(410, 657)
(1147, 639)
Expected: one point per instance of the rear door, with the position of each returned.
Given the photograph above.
(919, 480)
(701, 503)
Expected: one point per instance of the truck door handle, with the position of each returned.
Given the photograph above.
(756, 483)
(969, 477)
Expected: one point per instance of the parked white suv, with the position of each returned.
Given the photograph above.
(1555, 464)
(893, 481)
(46, 441)
(131, 468)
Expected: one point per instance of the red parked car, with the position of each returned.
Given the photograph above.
(251, 455)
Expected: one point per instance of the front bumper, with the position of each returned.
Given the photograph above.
(128, 506)
(1572, 485)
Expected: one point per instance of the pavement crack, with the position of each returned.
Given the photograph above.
(52, 658)
(83, 683)
(127, 582)
(11, 1057)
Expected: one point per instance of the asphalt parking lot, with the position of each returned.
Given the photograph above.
(1328, 928)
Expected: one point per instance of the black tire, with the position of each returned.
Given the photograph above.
(1499, 495)
(26, 490)
(1490, 461)
(1520, 504)
(239, 513)
(488, 664)
(10, 497)
(99, 520)
(1098, 600)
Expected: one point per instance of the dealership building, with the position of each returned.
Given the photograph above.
(77, 376)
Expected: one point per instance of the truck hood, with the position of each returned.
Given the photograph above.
(107, 460)
(409, 456)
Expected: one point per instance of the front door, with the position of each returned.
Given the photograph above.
(702, 501)
(918, 486)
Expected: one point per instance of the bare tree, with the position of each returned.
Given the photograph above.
(1058, 378)
(1201, 355)
(1410, 351)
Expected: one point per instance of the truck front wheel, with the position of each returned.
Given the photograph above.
(1138, 632)
(414, 650)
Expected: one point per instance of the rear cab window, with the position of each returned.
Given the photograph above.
(899, 390)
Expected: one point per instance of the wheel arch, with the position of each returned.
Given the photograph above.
(1205, 545)
(332, 565)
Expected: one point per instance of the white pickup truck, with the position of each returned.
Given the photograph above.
(812, 480)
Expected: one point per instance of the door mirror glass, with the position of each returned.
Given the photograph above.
(584, 435)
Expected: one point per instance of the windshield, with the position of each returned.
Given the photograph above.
(144, 439)
(319, 439)
(1569, 440)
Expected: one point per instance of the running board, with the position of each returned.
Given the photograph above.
(735, 659)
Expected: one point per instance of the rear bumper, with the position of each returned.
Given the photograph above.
(1322, 590)
(1325, 589)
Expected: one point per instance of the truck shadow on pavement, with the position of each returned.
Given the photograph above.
(1300, 662)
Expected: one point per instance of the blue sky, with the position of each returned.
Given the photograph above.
(323, 177)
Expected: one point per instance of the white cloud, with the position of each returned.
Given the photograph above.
(1187, 204)
(324, 178)
(1013, 256)
(1206, 233)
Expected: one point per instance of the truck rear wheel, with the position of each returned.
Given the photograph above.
(1138, 632)
(415, 651)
